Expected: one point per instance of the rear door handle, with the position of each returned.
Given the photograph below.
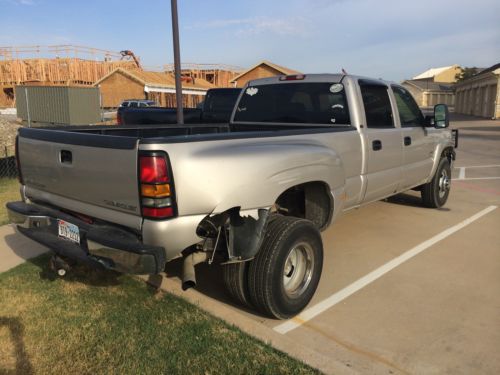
(407, 141)
(377, 145)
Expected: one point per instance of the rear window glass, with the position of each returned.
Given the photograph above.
(221, 100)
(301, 103)
(377, 106)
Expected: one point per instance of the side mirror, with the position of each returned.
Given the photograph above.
(441, 116)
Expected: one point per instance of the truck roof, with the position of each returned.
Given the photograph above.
(314, 77)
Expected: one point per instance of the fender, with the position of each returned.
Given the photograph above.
(438, 153)
(296, 164)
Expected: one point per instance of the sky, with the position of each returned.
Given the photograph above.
(388, 39)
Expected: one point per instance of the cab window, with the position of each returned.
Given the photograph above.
(300, 103)
(409, 113)
(377, 106)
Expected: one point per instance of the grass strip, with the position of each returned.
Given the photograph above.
(9, 191)
(100, 322)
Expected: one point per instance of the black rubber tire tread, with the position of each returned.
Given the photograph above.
(235, 277)
(317, 209)
(263, 267)
(430, 191)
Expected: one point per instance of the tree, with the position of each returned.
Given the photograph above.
(466, 73)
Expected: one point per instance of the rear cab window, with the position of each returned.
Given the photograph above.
(299, 103)
(377, 105)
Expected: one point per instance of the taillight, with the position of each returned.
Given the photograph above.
(157, 195)
(18, 162)
(296, 77)
(118, 118)
(153, 169)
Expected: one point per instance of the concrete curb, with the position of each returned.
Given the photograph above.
(280, 342)
(15, 248)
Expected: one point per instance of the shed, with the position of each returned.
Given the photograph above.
(58, 105)
(428, 93)
(263, 69)
(479, 95)
(122, 84)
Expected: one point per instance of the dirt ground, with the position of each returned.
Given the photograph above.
(8, 132)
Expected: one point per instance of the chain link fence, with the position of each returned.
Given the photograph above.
(8, 167)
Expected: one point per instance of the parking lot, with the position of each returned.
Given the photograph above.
(404, 289)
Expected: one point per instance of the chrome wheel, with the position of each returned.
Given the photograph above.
(298, 269)
(444, 183)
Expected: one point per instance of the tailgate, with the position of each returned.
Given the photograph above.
(88, 173)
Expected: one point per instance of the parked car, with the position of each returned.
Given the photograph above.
(252, 195)
(138, 103)
(217, 107)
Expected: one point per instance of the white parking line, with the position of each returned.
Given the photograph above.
(461, 174)
(324, 305)
(481, 166)
(477, 178)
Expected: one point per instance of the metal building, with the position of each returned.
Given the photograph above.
(479, 95)
(58, 105)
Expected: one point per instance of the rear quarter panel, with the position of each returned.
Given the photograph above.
(213, 176)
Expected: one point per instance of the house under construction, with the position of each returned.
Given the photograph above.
(123, 84)
(219, 75)
(57, 65)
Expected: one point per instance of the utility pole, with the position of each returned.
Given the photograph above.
(177, 62)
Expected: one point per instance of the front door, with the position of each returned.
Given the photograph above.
(418, 147)
(383, 142)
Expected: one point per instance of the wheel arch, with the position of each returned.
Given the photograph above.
(312, 200)
(448, 152)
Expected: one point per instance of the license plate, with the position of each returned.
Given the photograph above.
(68, 231)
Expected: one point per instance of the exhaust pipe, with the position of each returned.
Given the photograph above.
(188, 271)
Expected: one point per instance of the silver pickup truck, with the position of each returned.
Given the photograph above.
(251, 195)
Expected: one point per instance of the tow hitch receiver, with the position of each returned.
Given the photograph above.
(60, 265)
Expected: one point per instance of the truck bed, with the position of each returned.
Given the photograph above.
(126, 136)
(69, 166)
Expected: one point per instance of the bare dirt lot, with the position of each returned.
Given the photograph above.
(8, 132)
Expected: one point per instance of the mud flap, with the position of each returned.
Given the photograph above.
(245, 235)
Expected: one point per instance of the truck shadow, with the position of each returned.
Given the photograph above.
(79, 272)
(411, 200)
(406, 199)
(209, 282)
(22, 362)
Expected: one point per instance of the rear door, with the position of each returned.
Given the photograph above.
(418, 147)
(383, 140)
(91, 174)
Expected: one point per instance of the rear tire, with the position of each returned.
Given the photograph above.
(235, 277)
(435, 193)
(284, 275)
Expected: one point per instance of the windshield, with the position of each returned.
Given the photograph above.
(308, 103)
